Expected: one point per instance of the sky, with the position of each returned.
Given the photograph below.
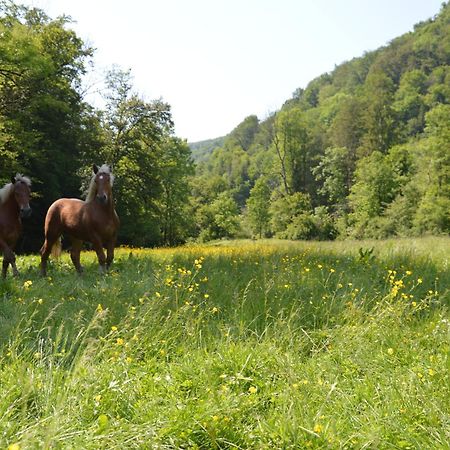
(218, 61)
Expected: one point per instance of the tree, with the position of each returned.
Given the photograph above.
(244, 134)
(42, 115)
(379, 118)
(335, 172)
(410, 103)
(258, 207)
(218, 219)
(176, 167)
(347, 128)
(289, 213)
(292, 143)
(374, 189)
(433, 174)
(136, 135)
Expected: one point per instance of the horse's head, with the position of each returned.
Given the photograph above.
(103, 183)
(22, 193)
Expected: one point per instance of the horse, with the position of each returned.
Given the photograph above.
(93, 220)
(14, 205)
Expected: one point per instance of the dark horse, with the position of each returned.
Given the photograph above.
(14, 204)
(93, 220)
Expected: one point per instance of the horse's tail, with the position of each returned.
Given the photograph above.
(57, 248)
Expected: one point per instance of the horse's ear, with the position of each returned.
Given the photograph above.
(95, 168)
(13, 179)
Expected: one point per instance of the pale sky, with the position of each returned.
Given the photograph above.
(218, 61)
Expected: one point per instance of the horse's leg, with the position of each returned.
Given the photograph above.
(46, 249)
(4, 267)
(8, 258)
(109, 253)
(98, 247)
(14, 267)
(75, 254)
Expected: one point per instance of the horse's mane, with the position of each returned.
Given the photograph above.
(91, 190)
(8, 188)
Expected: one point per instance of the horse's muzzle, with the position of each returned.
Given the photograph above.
(25, 212)
(102, 199)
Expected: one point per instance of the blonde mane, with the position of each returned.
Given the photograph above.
(90, 196)
(8, 188)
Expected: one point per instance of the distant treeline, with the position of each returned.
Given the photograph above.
(363, 151)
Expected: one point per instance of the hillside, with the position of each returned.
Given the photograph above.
(362, 151)
(201, 150)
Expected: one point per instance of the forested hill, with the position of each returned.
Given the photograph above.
(202, 149)
(362, 151)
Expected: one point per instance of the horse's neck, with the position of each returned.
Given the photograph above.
(108, 207)
(10, 205)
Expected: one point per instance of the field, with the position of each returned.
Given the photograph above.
(237, 345)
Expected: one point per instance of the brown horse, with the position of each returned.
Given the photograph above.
(14, 204)
(93, 220)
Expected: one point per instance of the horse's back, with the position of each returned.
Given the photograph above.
(64, 214)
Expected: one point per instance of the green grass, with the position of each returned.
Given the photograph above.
(248, 344)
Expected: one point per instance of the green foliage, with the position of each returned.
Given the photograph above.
(290, 215)
(176, 167)
(150, 165)
(202, 149)
(42, 116)
(374, 188)
(218, 219)
(368, 143)
(335, 172)
(258, 203)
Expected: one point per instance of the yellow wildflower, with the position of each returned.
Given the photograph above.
(252, 389)
(14, 446)
(318, 428)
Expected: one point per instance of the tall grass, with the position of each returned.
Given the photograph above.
(244, 344)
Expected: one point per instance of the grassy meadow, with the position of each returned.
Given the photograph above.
(237, 345)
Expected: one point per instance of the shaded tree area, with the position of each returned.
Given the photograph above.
(50, 133)
(362, 151)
